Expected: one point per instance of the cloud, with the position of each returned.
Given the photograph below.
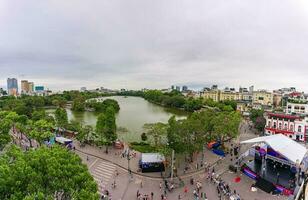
(154, 44)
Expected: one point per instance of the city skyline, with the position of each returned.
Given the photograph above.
(141, 44)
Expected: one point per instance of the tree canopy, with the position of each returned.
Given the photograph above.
(61, 117)
(45, 173)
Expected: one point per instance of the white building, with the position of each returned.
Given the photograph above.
(293, 126)
(297, 108)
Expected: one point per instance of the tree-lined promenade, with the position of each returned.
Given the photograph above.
(27, 116)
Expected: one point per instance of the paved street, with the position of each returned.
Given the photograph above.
(103, 166)
(102, 172)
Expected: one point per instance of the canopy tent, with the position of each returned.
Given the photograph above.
(284, 145)
(63, 140)
(152, 158)
(152, 162)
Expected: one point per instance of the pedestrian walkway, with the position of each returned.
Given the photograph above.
(102, 172)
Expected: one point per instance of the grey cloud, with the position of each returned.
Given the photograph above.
(135, 44)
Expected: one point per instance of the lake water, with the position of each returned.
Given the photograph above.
(134, 113)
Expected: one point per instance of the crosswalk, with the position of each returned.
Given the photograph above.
(102, 172)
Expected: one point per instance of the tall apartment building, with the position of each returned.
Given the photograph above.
(31, 87)
(24, 87)
(12, 86)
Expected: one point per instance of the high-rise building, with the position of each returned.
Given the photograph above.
(31, 87)
(24, 87)
(12, 86)
(184, 88)
(251, 89)
(83, 89)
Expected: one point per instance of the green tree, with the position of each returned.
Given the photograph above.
(101, 128)
(78, 104)
(46, 174)
(111, 127)
(39, 114)
(61, 117)
(40, 130)
(226, 125)
(156, 131)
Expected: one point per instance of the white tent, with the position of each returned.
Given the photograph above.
(152, 158)
(283, 145)
(63, 140)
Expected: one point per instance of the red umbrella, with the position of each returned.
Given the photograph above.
(237, 179)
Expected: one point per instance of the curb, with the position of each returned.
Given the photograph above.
(187, 175)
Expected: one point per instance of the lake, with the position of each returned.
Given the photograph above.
(134, 113)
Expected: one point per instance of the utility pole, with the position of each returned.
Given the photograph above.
(172, 163)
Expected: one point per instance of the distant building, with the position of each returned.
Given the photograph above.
(214, 87)
(184, 88)
(83, 89)
(24, 87)
(39, 88)
(178, 88)
(262, 97)
(251, 89)
(230, 94)
(31, 87)
(12, 86)
(243, 90)
(172, 87)
(211, 94)
(277, 100)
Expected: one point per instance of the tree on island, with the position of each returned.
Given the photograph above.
(111, 127)
(45, 173)
(61, 118)
(78, 104)
(106, 127)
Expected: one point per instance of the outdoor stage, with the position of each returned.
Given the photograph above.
(271, 172)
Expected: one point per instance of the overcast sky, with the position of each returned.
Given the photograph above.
(155, 43)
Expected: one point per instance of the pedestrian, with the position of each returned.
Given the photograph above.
(152, 195)
(141, 185)
(165, 192)
(160, 185)
(179, 197)
(87, 158)
(162, 197)
(186, 190)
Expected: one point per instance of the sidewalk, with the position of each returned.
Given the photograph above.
(115, 156)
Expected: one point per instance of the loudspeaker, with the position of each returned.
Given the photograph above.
(232, 168)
